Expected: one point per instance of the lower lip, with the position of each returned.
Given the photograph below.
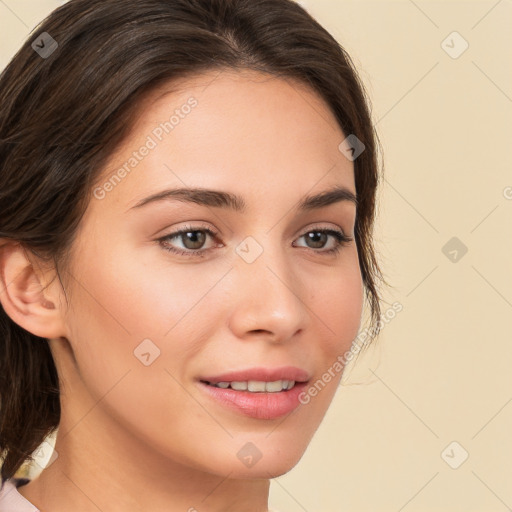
(265, 406)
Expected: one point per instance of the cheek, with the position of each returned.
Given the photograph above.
(337, 303)
(337, 307)
(149, 292)
(130, 307)
(124, 308)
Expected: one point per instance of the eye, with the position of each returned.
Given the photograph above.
(317, 238)
(193, 239)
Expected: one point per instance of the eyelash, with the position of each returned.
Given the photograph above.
(341, 241)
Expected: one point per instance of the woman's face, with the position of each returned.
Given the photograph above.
(260, 297)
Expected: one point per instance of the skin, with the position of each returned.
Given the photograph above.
(135, 437)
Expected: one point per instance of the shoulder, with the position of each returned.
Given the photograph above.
(11, 500)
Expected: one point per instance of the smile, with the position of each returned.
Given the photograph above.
(256, 386)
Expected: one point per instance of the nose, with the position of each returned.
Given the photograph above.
(268, 300)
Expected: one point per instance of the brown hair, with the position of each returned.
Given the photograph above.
(62, 115)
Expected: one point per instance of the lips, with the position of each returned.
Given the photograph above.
(262, 402)
(260, 374)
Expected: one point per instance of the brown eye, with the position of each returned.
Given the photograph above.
(191, 240)
(318, 238)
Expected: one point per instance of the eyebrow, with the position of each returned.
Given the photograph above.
(221, 199)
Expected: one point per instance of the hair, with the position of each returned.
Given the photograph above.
(62, 116)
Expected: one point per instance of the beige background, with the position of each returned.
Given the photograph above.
(441, 369)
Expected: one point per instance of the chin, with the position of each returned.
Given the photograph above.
(265, 470)
(261, 459)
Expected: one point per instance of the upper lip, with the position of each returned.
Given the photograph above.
(262, 374)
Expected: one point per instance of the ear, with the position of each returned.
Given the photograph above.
(28, 295)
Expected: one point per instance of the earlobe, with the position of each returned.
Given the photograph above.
(22, 294)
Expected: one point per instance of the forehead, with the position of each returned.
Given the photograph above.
(230, 128)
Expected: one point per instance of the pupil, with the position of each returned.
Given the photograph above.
(313, 237)
(197, 241)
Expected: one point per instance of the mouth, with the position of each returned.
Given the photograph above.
(260, 393)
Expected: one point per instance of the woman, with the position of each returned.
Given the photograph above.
(187, 198)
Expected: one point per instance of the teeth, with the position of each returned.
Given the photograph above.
(272, 387)
(256, 386)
